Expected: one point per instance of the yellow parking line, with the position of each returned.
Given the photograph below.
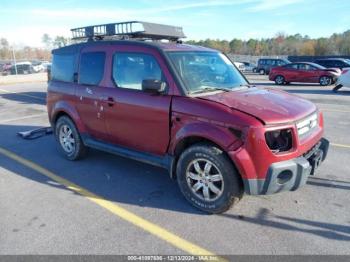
(20, 94)
(117, 210)
(340, 145)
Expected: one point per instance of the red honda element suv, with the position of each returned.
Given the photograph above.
(184, 108)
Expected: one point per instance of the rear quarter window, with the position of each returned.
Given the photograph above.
(63, 67)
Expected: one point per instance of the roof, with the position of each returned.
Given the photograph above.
(310, 63)
(74, 48)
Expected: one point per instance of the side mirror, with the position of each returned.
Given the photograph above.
(153, 86)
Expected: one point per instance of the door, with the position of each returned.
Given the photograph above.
(308, 73)
(88, 93)
(290, 72)
(136, 119)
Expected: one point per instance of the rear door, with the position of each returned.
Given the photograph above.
(290, 72)
(89, 91)
(134, 118)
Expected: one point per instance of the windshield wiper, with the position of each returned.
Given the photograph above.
(206, 89)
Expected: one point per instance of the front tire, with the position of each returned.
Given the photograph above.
(325, 81)
(68, 139)
(208, 179)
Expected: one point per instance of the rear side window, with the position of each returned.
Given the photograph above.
(63, 67)
(291, 66)
(281, 62)
(306, 67)
(91, 68)
(129, 69)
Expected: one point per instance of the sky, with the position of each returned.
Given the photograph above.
(24, 22)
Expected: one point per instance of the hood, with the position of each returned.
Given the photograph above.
(268, 105)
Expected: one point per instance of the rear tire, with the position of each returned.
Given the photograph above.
(325, 81)
(262, 72)
(208, 179)
(280, 80)
(69, 141)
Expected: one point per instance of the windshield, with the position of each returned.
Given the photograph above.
(206, 71)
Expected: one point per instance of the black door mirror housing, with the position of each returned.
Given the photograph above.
(153, 86)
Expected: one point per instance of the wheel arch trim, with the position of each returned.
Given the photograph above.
(66, 108)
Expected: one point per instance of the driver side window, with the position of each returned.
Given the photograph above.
(130, 69)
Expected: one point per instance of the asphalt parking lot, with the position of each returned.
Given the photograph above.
(119, 206)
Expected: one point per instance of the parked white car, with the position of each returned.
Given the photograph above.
(46, 65)
(249, 67)
(240, 66)
(37, 66)
(343, 80)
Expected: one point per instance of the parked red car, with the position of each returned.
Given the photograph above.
(184, 108)
(304, 72)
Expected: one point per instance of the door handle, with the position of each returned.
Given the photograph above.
(109, 100)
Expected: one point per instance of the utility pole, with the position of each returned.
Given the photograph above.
(14, 58)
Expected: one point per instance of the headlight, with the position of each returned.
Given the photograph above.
(279, 140)
(307, 124)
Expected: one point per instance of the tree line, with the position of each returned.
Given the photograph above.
(7, 51)
(282, 44)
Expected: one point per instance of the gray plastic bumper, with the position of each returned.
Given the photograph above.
(288, 175)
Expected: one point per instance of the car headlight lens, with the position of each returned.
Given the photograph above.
(279, 140)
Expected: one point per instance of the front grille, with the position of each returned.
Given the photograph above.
(312, 151)
(307, 124)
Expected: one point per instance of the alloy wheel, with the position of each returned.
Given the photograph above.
(325, 81)
(67, 139)
(279, 80)
(205, 179)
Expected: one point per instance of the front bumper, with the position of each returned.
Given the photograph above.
(289, 175)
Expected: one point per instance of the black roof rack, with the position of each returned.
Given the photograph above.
(131, 29)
